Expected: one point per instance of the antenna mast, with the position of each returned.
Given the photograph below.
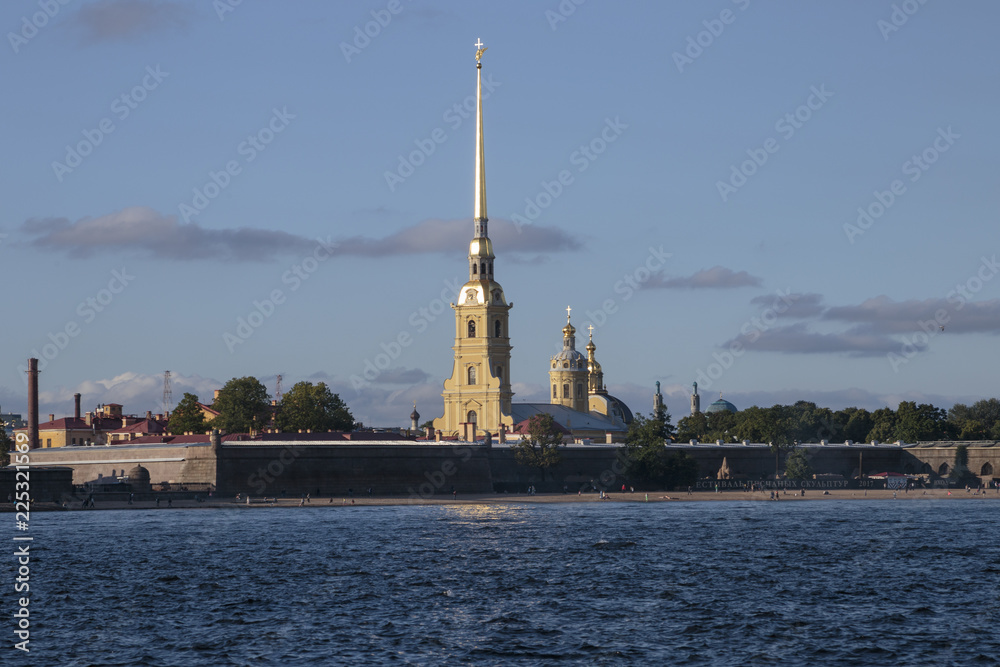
(168, 396)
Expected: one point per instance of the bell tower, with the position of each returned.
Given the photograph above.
(477, 396)
(569, 375)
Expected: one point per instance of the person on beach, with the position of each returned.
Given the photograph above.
(131, 497)
(170, 502)
(157, 501)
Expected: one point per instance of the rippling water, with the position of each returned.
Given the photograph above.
(841, 582)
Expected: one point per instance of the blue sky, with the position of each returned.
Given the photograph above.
(175, 168)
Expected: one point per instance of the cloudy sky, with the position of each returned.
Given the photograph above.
(778, 200)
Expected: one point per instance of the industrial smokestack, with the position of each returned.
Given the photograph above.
(76, 408)
(33, 403)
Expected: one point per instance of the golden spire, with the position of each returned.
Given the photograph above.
(480, 215)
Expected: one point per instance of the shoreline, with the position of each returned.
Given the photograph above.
(546, 498)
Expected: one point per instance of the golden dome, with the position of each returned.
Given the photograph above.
(481, 247)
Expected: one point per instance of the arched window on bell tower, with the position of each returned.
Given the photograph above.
(555, 393)
(472, 328)
(497, 329)
(565, 391)
(579, 390)
(472, 375)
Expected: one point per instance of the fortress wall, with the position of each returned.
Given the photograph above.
(325, 469)
(176, 464)
(929, 459)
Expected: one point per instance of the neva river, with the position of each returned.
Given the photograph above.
(804, 583)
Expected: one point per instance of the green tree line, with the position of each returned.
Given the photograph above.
(243, 405)
(805, 422)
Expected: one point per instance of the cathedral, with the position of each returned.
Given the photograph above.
(478, 396)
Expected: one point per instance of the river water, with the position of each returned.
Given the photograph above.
(824, 582)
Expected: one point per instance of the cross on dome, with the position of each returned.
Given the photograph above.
(568, 309)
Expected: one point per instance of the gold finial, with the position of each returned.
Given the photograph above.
(591, 329)
(480, 49)
(568, 309)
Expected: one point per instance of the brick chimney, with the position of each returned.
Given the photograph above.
(76, 406)
(33, 442)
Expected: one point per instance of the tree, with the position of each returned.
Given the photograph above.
(692, 427)
(645, 443)
(883, 426)
(681, 470)
(188, 417)
(541, 448)
(648, 461)
(797, 465)
(920, 422)
(857, 422)
(6, 445)
(243, 405)
(313, 407)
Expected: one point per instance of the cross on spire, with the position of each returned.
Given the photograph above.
(568, 309)
(479, 43)
(591, 329)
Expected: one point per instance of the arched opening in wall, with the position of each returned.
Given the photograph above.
(499, 372)
(943, 469)
(475, 269)
(491, 267)
(472, 375)
(555, 393)
(483, 270)
(472, 329)
(565, 391)
(987, 469)
(497, 329)
(471, 417)
(579, 390)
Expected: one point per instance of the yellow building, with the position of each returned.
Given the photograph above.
(477, 396)
(569, 374)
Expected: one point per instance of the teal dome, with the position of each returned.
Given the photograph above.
(721, 405)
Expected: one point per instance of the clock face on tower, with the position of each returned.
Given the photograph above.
(470, 296)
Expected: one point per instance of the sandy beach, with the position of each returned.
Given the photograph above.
(494, 499)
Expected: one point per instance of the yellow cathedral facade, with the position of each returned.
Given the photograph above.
(478, 396)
